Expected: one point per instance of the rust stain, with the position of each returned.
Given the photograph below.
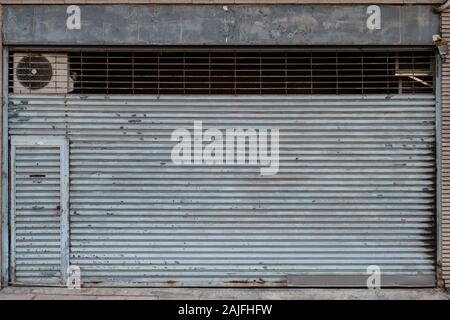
(238, 282)
(247, 282)
(171, 282)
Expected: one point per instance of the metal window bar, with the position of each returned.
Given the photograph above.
(222, 72)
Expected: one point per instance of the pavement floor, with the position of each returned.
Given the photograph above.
(54, 293)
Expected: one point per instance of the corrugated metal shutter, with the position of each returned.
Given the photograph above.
(37, 209)
(355, 188)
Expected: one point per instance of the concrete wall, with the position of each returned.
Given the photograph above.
(215, 25)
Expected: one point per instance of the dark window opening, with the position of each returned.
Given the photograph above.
(262, 72)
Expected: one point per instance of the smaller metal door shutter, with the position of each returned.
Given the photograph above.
(39, 206)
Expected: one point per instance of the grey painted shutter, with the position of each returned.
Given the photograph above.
(39, 206)
(356, 188)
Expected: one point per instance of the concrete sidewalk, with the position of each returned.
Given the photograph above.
(46, 293)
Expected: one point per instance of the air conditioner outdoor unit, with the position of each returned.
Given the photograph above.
(41, 73)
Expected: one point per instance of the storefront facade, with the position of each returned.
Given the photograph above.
(95, 97)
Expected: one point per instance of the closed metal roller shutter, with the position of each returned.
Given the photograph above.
(355, 188)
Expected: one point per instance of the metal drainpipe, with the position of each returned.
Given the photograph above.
(443, 7)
